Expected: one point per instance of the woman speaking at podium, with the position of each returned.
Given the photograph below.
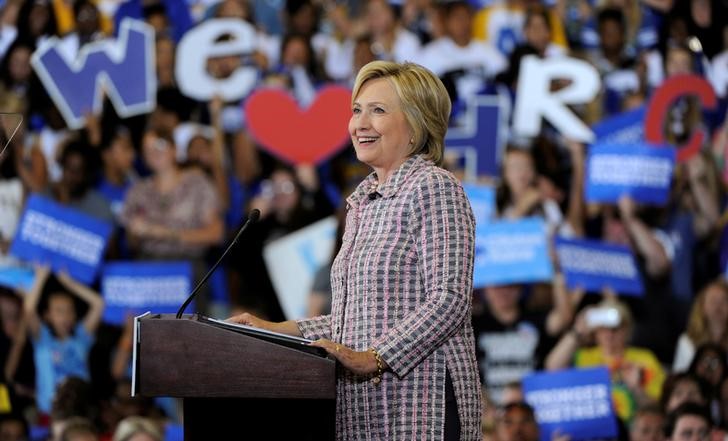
(400, 322)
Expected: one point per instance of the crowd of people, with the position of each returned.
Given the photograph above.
(177, 181)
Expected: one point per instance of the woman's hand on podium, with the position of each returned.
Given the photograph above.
(250, 320)
(289, 327)
(359, 362)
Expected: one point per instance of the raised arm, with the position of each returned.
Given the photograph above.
(32, 297)
(562, 313)
(646, 244)
(92, 298)
(562, 355)
(577, 210)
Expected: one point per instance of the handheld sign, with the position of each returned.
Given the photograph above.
(132, 288)
(576, 402)
(17, 277)
(511, 252)
(300, 136)
(61, 237)
(124, 68)
(484, 132)
(593, 265)
(482, 201)
(640, 170)
(293, 260)
(202, 43)
(535, 99)
(623, 128)
(662, 102)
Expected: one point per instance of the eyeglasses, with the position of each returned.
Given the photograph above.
(692, 434)
(268, 188)
(710, 363)
(158, 144)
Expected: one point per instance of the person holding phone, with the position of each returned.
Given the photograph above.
(636, 374)
(400, 321)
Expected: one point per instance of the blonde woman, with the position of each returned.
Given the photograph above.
(402, 281)
(708, 323)
(136, 428)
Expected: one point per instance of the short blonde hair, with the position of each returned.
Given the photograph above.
(134, 425)
(425, 103)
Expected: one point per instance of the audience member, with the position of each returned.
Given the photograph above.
(61, 340)
(707, 323)
(647, 425)
(637, 375)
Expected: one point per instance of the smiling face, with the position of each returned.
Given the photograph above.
(518, 171)
(379, 129)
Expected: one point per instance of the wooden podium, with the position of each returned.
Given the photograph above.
(235, 385)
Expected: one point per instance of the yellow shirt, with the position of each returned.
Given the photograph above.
(652, 375)
(67, 23)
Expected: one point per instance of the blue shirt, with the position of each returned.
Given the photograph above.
(57, 359)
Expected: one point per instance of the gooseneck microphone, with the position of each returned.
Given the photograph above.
(252, 218)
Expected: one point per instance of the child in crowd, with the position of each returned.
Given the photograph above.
(61, 341)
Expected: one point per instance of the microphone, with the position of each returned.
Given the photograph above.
(252, 218)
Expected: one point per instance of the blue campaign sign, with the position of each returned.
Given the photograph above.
(61, 237)
(511, 252)
(123, 68)
(16, 277)
(641, 170)
(484, 132)
(482, 201)
(576, 402)
(627, 127)
(133, 288)
(594, 265)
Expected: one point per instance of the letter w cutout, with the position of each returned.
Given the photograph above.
(123, 68)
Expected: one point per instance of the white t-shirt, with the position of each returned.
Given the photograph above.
(406, 47)
(338, 59)
(719, 74)
(7, 37)
(479, 61)
(11, 204)
(684, 353)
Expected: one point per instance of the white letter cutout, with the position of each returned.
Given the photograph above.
(199, 44)
(534, 98)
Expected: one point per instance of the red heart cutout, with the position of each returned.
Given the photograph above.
(296, 135)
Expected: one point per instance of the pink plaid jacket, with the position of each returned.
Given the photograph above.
(402, 284)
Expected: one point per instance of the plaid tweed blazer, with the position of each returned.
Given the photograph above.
(402, 284)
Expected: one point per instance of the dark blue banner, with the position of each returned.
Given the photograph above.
(627, 127)
(640, 170)
(575, 402)
(594, 265)
(61, 237)
(133, 288)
